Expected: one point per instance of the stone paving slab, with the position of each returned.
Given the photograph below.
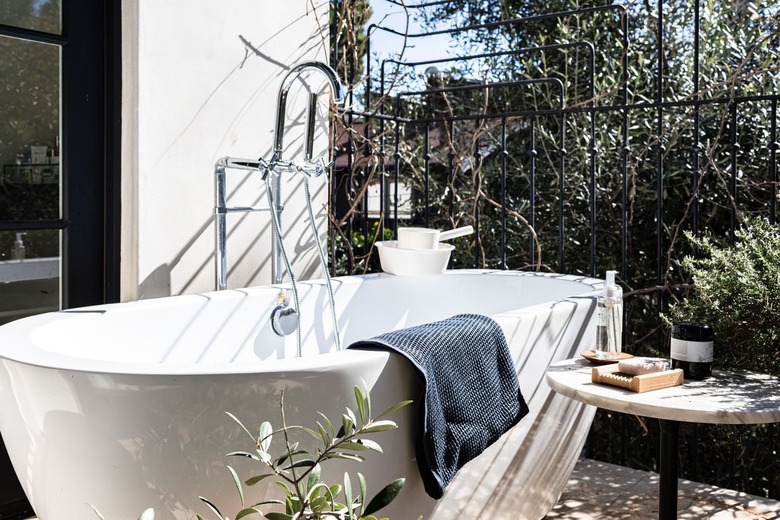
(602, 491)
(597, 490)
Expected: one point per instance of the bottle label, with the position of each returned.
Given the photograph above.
(692, 351)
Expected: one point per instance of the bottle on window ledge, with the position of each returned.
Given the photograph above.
(18, 251)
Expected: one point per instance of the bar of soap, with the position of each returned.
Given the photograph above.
(638, 366)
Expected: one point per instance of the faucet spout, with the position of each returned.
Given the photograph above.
(336, 87)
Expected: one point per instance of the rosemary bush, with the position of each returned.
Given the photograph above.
(737, 291)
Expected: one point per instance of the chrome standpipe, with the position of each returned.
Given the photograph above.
(221, 209)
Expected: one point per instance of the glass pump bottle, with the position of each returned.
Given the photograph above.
(609, 320)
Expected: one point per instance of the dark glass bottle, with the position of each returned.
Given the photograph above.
(692, 349)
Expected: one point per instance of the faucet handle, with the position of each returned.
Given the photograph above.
(313, 169)
(308, 168)
(321, 167)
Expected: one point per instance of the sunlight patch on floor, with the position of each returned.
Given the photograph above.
(597, 490)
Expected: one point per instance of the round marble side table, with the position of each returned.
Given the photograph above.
(724, 398)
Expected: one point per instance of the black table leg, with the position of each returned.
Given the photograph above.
(667, 503)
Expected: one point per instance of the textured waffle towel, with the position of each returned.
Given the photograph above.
(472, 395)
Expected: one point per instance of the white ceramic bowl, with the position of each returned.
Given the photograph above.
(413, 262)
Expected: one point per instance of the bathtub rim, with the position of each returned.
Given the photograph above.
(24, 349)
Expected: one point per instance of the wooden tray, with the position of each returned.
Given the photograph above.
(609, 375)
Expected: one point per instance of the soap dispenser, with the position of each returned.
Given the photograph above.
(609, 320)
(17, 252)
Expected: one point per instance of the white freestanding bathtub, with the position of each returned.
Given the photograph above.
(122, 406)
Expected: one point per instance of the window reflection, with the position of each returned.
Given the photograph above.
(29, 130)
(38, 15)
(30, 184)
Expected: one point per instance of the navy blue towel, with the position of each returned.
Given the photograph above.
(471, 391)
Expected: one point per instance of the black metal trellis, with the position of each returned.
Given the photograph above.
(383, 105)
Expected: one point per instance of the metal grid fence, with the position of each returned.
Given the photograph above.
(575, 141)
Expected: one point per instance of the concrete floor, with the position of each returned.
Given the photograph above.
(597, 490)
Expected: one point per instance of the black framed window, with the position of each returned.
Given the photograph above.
(59, 159)
(59, 120)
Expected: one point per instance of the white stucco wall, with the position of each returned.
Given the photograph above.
(200, 82)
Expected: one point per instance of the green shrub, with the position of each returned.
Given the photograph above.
(737, 290)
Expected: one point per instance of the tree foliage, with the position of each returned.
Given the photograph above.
(592, 125)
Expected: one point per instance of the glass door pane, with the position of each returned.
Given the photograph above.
(30, 281)
(30, 181)
(37, 15)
